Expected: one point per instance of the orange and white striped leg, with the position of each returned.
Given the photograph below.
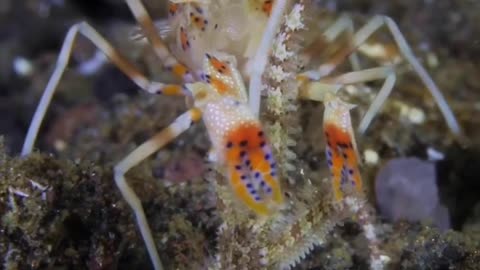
(151, 33)
(182, 123)
(342, 24)
(120, 61)
(191, 1)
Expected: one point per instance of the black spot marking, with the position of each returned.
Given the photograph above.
(247, 162)
(257, 175)
(262, 144)
(243, 177)
(249, 185)
(267, 156)
(342, 145)
(260, 133)
(238, 167)
(242, 153)
(350, 171)
(262, 183)
(208, 78)
(273, 174)
(268, 189)
(273, 165)
(222, 68)
(229, 144)
(243, 143)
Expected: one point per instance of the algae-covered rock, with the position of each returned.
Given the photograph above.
(406, 188)
(416, 246)
(57, 214)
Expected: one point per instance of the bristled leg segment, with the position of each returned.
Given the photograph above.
(151, 32)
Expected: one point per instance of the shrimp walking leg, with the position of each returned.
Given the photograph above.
(330, 85)
(120, 61)
(182, 123)
(372, 26)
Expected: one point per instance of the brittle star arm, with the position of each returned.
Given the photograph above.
(182, 123)
(367, 30)
(116, 58)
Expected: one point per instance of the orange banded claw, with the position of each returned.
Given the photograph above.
(342, 160)
(252, 169)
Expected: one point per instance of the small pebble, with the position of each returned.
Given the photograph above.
(432, 60)
(435, 155)
(22, 66)
(416, 116)
(406, 189)
(370, 156)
